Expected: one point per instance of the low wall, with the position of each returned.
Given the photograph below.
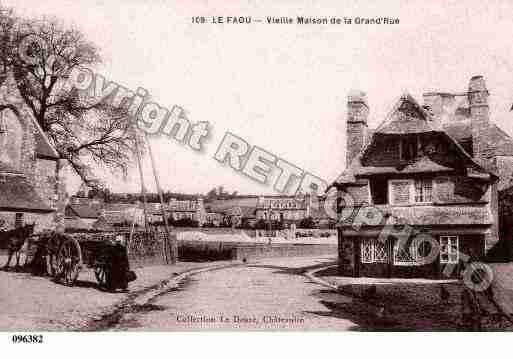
(149, 249)
(283, 250)
(220, 250)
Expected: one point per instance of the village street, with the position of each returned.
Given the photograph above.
(273, 290)
(267, 294)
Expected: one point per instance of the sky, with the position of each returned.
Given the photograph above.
(283, 87)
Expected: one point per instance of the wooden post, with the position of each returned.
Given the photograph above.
(168, 243)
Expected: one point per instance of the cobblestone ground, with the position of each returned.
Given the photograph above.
(428, 305)
(502, 286)
(266, 295)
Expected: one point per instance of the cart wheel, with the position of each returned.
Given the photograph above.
(101, 275)
(69, 261)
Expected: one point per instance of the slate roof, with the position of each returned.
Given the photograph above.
(84, 210)
(18, 194)
(461, 131)
(501, 144)
(406, 117)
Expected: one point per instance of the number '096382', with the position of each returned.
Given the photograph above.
(27, 339)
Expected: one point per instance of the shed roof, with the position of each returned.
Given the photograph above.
(18, 194)
(84, 210)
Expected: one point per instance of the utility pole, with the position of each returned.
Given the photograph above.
(168, 243)
(143, 187)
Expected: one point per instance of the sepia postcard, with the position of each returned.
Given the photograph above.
(244, 166)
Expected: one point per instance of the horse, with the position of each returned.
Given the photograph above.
(16, 239)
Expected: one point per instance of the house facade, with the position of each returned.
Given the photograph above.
(419, 194)
(187, 209)
(82, 212)
(30, 190)
(286, 209)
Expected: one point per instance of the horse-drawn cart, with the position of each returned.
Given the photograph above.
(66, 255)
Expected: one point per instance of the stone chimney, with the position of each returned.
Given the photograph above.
(356, 130)
(480, 118)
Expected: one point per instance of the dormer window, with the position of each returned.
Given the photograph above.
(409, 148)
(389, 146)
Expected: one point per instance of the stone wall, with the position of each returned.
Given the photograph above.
(46, 180)
(44, 221)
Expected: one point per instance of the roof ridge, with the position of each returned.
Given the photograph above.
(405, 97)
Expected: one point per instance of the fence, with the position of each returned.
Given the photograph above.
(148, 248)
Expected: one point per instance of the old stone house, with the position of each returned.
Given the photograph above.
(286, 209)
(30, 190)
(434, 169)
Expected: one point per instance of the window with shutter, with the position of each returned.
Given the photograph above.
(18, 220)
(400, 191)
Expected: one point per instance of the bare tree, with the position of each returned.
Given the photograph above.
(84, 130)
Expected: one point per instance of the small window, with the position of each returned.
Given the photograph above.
(423, 191)
(409, 148)
(389, 146)
(378, 190)
(18, 221)
(449, 249)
